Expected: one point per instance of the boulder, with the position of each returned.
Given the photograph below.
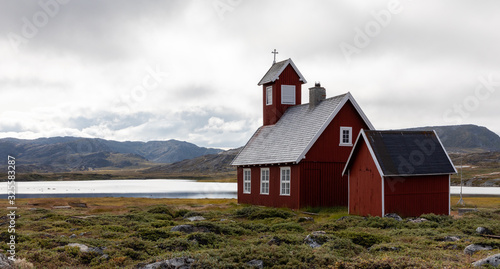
(5, 262)
(418, 220)
(393, 216)
(451, 238)
(186, 228)
(82, 247)
(490, 260)
(175, 263)
(196, 218)
(471, 249)
(316, 239)
(256, 263)
(306, 219)
(482, 230)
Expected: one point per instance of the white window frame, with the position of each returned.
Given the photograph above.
(288, 91)
(285, 183)
(269, 95)
(342, 142)
(264, 181)
(247, 180)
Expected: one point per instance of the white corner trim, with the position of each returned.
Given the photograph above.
(383, 195)
(348, 191)
(449, 195)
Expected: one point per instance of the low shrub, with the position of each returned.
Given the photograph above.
(153, 234)
(288, 239)
(381, 223)
(288, 226)
(181, 213)
(343, 247)
(162, 223)
(161, 210)
(441, 219)
(253, 213)
(192, 214)
(176, 244)
(362, 238)
(205, 239)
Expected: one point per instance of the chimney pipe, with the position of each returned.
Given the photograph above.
(316, 95)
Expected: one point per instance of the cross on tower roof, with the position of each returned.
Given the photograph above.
(274, 52)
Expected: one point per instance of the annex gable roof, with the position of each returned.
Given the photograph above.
(404, 153)
(276, 69)
(294, 134)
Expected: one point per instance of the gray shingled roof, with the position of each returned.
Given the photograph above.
(398, 153)
(275, 71)
(293, 135)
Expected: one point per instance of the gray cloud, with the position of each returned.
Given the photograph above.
(75, 75)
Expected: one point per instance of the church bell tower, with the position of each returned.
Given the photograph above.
(281, 89)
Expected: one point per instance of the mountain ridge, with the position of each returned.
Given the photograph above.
(466, 138)
(77, 153)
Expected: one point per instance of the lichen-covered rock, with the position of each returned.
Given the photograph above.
(316, 239)
(491, 260)
(186, 228)
(451, 238)
(196, 218)
(175, 263)
(418, 220)
(482, 230)
(393, 216)
(256, 263)
(306, 219)
(82, 247)
(471, 249)
(5, 262)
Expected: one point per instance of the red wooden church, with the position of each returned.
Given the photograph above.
(403, 172)
(297, 157)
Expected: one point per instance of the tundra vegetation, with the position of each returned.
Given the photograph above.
(134, 232)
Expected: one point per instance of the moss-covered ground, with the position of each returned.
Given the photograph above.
(131, 231)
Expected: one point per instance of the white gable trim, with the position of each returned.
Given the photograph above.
(347, 97)
(372, 153)
(360, 111)
(277, 75)
(352, 152)
(449, 159)
(374, 157)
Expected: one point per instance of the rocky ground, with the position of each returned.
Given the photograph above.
(174, 233)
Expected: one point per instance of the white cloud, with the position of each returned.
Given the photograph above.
(82, 73)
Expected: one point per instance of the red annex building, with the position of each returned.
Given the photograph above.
(403, 172)
(297, 157)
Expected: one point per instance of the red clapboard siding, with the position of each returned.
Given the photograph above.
(365, 185)
(274, 198)
(322, 184)
(326, 148)
(272, 113)
(417, 195)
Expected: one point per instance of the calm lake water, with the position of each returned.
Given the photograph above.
(149, 188)
(154, 188)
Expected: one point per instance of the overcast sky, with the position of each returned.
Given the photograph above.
(188, 70)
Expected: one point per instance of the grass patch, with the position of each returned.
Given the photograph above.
(128, 232)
